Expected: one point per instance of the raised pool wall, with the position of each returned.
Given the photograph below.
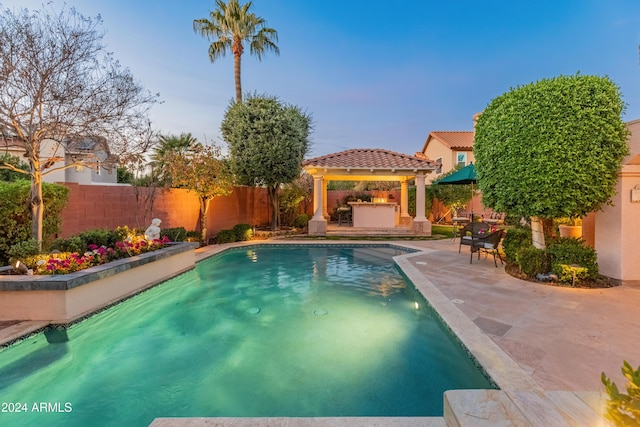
(64, 298)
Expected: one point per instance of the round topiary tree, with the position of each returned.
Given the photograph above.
(551, 149)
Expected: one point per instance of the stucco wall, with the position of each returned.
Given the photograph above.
(617, 231)
(436, 150)
(616, 226)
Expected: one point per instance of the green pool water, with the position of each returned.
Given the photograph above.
(260, 331)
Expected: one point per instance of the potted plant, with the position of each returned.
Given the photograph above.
(569, 227)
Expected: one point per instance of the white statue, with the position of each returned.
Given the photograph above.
(153, 231)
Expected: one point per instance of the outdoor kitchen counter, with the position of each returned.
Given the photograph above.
(374, 215)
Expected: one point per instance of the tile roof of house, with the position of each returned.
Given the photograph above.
(455, 140)
(366, 158)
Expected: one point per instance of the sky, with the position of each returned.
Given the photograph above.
(372, 74)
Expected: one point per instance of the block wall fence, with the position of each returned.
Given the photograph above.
(101, 206)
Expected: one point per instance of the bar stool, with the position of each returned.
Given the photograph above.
(344, 215)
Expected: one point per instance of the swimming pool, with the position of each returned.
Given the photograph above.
(254, 331)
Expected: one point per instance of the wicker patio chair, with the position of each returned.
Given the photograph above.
(489, 245)
(472, 233)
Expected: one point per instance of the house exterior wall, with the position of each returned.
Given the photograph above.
(48, 149)
(616, 226)
(79, 175)
(436, 149)
(88, 174)
(617, 232)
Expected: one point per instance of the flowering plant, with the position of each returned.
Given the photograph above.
(69, 262)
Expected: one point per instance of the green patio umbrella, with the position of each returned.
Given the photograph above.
(464, 176)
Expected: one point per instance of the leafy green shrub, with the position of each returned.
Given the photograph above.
(175, 234)
(73, 244)
(428, 200)
(11, 175)
(624, 409)
(354, 197)
(301, 221)
(243, 232)
(532, 261)
(290, 198)
(100, 237)
(567, 250)
(514, 240)
(23, 249)
(124, 232)
(15, 217)
(226, 236)
(512, 219)
(570, 274)
(194, 235)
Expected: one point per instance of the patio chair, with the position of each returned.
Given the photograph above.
(472, 233)
(489, 245)
(495, 218)
(344, 215)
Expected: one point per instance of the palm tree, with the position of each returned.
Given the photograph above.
(169, 144)
(229, 27)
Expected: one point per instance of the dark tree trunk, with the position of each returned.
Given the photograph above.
(275, 207)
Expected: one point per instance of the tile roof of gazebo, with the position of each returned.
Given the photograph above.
(370, 158)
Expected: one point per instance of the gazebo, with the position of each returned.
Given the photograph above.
(366, 164)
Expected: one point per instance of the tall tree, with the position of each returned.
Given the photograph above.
(199, 169)
(453, 197)
(169, 144)
(267, 142)
(551, 149)
(58, 82)
(230, 27)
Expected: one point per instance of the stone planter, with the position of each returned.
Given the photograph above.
(570, 231)
(66, 297)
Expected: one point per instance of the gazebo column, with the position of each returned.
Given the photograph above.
(318, 225)
(405, 218)
(325, 200)
(421, 225)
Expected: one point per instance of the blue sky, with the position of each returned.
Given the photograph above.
(372, 74)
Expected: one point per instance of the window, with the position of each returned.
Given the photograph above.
(439, 161)
(462, 159)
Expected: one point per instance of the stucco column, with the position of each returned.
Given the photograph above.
(421, 225)
(318, 207)
(404, 199)
(325, 213)
(420, 190)
(318, 225)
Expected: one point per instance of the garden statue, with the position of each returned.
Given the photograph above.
(153, 231)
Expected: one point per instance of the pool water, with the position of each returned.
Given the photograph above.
(260, 331)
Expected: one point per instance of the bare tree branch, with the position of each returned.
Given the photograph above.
(57, 81)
